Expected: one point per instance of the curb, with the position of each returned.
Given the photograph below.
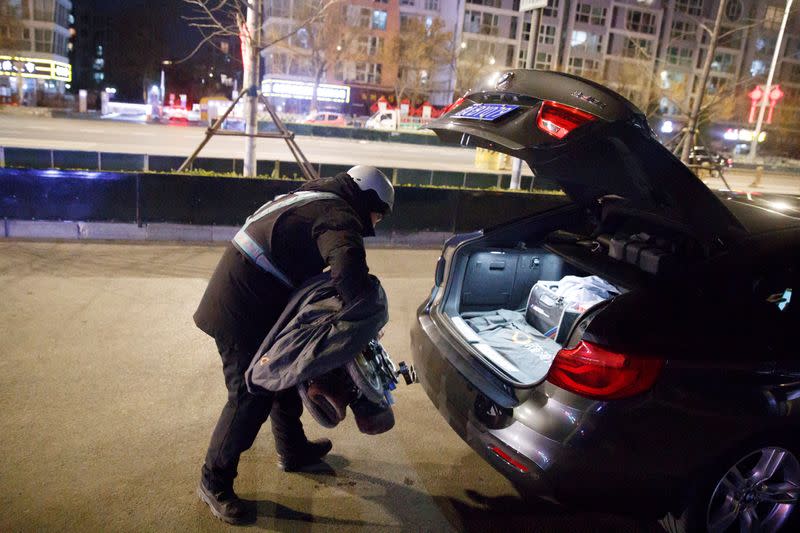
(110, 231)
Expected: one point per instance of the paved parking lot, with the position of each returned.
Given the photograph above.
(108, 395)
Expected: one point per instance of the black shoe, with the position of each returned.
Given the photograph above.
(309, 456)
(227, 506)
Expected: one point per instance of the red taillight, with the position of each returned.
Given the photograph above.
(595, 372)
(453, 105)
(558, 119)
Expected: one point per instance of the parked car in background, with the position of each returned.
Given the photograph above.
(633, 350)
(702, 157)
(326, 118)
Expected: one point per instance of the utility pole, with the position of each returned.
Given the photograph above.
(533, 37)
(751, 155)
(694, 116)
(250, 83)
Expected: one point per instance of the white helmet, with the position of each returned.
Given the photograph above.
(371, 179)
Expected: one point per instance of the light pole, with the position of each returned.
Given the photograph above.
(164, 63)
(751, 155)
(533, 6)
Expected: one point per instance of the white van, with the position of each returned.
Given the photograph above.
(383, 120)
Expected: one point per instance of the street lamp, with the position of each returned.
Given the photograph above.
(164, 63)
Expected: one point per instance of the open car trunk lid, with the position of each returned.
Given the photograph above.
(590, 140)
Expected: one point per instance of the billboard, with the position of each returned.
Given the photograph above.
(38, 68)
(303, 90)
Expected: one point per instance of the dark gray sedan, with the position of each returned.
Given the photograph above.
(674, 390)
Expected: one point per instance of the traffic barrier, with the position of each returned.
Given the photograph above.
(80, 196)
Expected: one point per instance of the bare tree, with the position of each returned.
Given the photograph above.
(418, 51)
(243, 18)
(226, 18)
(319, 39)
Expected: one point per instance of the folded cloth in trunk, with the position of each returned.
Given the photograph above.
(520, 343)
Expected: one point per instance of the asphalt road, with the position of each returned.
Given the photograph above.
(127, 137)
(130, 137)
(108, 395)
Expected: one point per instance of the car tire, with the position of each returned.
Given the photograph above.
(693, 512)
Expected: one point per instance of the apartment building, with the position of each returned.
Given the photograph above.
(360, 74)
(651, 51)
(36, 64)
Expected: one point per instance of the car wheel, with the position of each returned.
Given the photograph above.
(759, 491)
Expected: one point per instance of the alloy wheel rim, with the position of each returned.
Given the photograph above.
(758, 493)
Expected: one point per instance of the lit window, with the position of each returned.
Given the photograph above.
(578, 38)
(379, 19)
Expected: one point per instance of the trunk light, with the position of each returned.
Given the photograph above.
(510, 460)
(558, 119)
(594, 372)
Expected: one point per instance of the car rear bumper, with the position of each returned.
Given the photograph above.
(550, 446)
(456, 399)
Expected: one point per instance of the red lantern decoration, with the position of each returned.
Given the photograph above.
(775, 94)
(755, 97)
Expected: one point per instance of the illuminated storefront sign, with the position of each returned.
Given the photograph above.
(732, 134)
(303, 90)
(29, 67)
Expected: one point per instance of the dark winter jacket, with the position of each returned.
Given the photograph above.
(243, 302)
(316, 333)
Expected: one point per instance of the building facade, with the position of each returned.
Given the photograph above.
(34, 67)
(651, 51)
(357, 64)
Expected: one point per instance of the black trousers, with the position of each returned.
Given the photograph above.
(242, 417)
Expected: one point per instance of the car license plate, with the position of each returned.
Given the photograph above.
(487, 112)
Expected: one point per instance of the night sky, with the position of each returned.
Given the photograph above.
(143, 33)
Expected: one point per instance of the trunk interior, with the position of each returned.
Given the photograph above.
(518, 332)
(518, 302)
